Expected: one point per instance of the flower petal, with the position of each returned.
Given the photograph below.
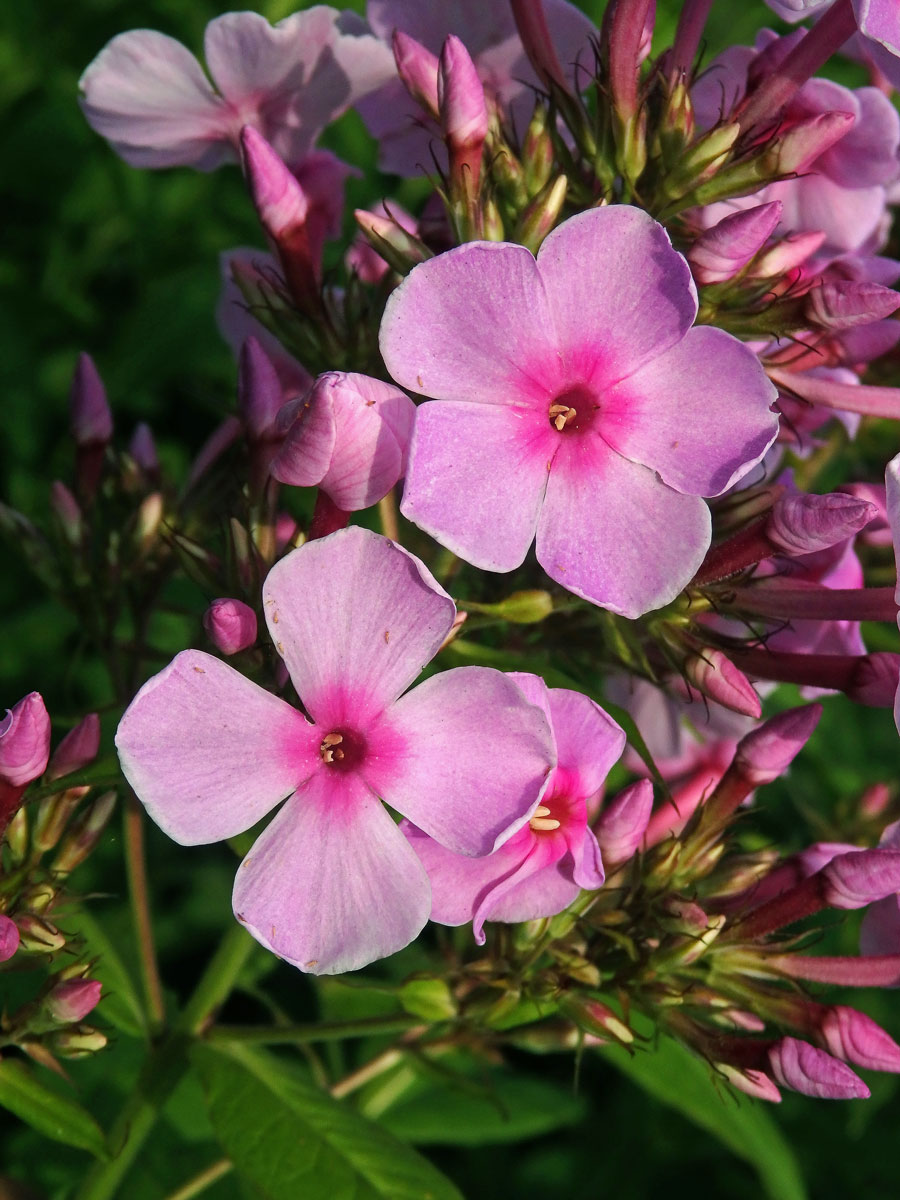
(472, 324)
(700, 414)
(476, 479)
(356, 619)
(208, 752)
(147, 94)
(332, 884)
(370, 456)
(612, 532)
(535, 889)
(476, 756)
(616, 286)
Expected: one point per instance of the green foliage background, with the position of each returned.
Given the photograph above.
(123, 263)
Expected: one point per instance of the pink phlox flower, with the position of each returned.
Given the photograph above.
(148, 96)
(843, 191)
(541, 869)
(348, 435)
(332, 884)
(405, 136)
(592, 416)
(878, 40)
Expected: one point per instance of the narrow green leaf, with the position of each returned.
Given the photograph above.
(674, 1076)
(47, 1110)
(120, 1005)
(288, 1138)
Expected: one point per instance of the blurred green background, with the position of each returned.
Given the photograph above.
(123, 263)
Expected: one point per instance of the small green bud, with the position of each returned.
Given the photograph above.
(430, 999)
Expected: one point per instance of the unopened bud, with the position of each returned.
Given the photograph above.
(542, 214)
(78, 1042)
(17, 836)
(754, 1083)
(418, 70)
(230, 625)
(538, 154)
(622, 823)
(596, 1018)
(430, 999)
(723, 250)
(24, 741)
(149, 518)
(78, 748)
(39, 936)
(73, 999)
(68, 512)
(714, 675)
(802, 1068)
(38, 897)
(521, 608)
(767, 752)
(142, 449)
(786, 255)
(89, 414)
(837, 304)
(856, 1038)
(796, 150)
(397, 246)
(463, 112)
(701, 161)
(9, 937)
(875, 680)
(84, 834)
(806, 523)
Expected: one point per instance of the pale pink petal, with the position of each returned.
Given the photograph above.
(356, 619)
(310, 432)
(472, 324)
(616, 288)
(332, 884)
(369, 458)
(699, 414)
(476, 480)
(208, 752)
(475, 758)
(535, 889)
(588, 741)
(612, 532)
(147, 94)
(584, 863)
(458, 882)
(249, 59)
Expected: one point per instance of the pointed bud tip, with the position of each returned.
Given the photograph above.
(24, 741)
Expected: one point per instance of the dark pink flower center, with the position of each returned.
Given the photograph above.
(343, 749)
(573, 409)
(549, 815)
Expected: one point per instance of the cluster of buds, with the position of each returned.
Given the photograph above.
(46, 836)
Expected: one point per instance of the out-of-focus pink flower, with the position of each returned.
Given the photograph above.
(588, 416)
(148, 96)
(24, 741)
(73, 999)
(542, 868)
(878, 40)
(332, 883)
(349, 435)
(489, 33)
(90, 418)
(230, 625)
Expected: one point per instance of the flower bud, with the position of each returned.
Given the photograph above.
(534, 33)
(541, 215)
(463, 112)
(797, 149)
(24, 741)
(73, 999)
(260, 394)
(148, 520)
(805, 524)
(856, 1038)
(521, 608)
(142, 449)
(77, 1042)
(78, 748)
(714, 675)
(430, 999)
(786, 255)
(418, 70)
(837, 304)
(391, 243)
(90, 419)
(875, 680)
(68, 511)
(538, 155)
(622, 823)
(230, 625)
(39, 936)
(767, 752)
(723, 250)
(9, 937)
(595, 1018)
(803, 1068)
(754, 1083)
(84, 834)
(861, 877)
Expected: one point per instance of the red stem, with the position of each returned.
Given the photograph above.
(811, 602)
(327, 517)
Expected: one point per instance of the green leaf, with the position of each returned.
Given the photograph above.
(674, 1076)
(510, 1108)
(120, 1005)
(48, 1110)
(288, 1138)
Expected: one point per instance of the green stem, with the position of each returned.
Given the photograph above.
(205, 1179)
(164, 1068)
(139, 893)
(322, 1031)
